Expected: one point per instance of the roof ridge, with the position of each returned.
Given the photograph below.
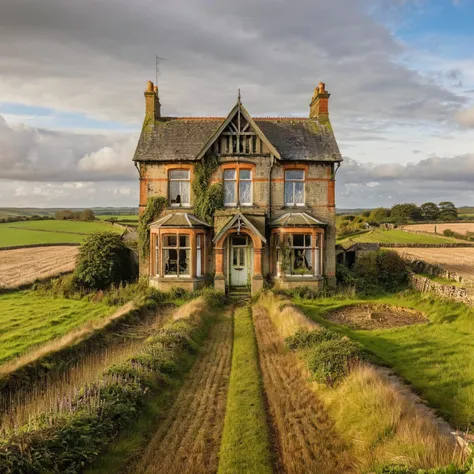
(203, 117)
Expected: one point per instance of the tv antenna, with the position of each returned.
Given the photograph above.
(157, 66)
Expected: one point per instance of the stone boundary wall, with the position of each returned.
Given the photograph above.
(29, 246)
(420, 266)
(452, 292)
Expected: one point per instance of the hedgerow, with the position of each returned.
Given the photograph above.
(73, 439)
(452, 469)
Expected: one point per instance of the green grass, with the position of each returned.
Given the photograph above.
(436, 358)
(28, 320)
(119, 217)
(49, 232)
(397, 237)
(245, 445)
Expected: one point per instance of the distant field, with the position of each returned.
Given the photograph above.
(459, 260)
(397, 237)
(28, 320)
(461, 228)
(49, 232)
(23, 266)
(130, 217)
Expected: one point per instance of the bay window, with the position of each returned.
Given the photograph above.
(299, 255)
(238, 187)
(294, 187)
(179, 187)
(176, 255)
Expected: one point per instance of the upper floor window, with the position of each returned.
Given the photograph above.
(237, 187)
(179, 187)
(294, 187)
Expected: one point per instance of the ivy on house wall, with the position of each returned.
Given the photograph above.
(153, 209)
(207, 199)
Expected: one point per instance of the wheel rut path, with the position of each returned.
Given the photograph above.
(303, 435)
(188, 440)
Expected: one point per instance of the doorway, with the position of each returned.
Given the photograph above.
(240, 260)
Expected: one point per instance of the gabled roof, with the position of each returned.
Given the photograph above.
(178, 219)
(296, 219)
(187, 138)
(238, 108)
(239, 221)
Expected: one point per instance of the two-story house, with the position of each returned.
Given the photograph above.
(278, 177)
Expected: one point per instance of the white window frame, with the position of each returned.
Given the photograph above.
(177, 248)
(250, 203)
(180, 180)
(199, 245)
(294, 181)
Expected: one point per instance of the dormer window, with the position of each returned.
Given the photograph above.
(294, 187)
(238, 187)
(179, 188)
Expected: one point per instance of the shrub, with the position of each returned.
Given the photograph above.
(398, 469)
(366, 273)
(103, 261)
(392, 271)
(331, 360)
(304, 339)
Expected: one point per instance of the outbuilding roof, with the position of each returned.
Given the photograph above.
(178, 219)
(296, 219)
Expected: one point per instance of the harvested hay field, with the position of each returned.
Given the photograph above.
(303, 434)
(376, 317)
(458, 260)
(20, 267)
(460, 228)
(188, 439)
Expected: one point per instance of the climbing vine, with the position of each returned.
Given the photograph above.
(207, 199)
(153, 209)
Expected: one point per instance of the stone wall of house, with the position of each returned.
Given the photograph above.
(453, 292)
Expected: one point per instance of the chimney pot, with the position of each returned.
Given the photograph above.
(155, 89)
(149, 87)
(322, 87)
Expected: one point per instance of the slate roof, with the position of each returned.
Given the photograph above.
(296, 219)
(182, 138)
(179, 219)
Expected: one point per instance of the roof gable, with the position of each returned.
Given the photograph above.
(238, 222)
(238, 124)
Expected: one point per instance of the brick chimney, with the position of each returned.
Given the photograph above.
(319, 107)
(152, 102)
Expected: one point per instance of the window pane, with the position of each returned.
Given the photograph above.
(242, 257)
(301, 262)
(307, 240)
(170, 260)
(309, 259)
(169, 240)
(299, 192)
(288, 193)
(229, 192)
(245, 174)
(179, 174)
(235, 253)
(184, 240)
(198, 241)
(294, 174)
(198, 262)
(184, 262)
(239, 240)
(185, 192)
(175, 194)
(298, 240)
(245, 191)
(229, 174)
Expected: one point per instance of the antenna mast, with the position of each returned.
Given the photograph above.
(157, 67)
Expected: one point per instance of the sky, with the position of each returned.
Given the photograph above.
(72, 76)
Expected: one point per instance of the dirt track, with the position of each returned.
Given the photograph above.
(303, 435)
(23, 266)
(188, 440)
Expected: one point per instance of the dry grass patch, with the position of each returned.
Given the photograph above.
(20, 267)
(286, 317)
(304, 436)
(384, 426)
(460, 228)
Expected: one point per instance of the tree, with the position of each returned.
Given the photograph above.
(447, 211)
(103, 261)
(380, 214)
(402, 213)
(429, 211)
(87, 215)
(63, 215)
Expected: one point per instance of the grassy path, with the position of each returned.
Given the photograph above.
(304, 437)
(188, 439)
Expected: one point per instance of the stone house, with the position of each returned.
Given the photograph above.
(278, 177)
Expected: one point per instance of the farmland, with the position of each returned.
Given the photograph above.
(459, 227)
(20, 267)
(29, 320)
(458, 260)
(49, 232)
(397, 237)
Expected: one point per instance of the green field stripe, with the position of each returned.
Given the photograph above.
(245, 445)
(47, 230)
